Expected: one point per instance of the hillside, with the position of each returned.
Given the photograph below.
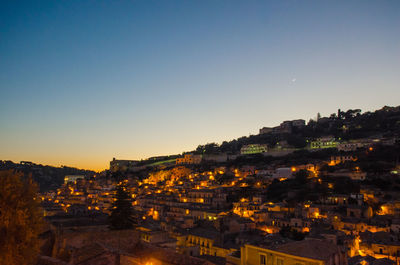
(348, 125)
(47, 177)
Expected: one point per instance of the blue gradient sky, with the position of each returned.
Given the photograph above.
(84, 81)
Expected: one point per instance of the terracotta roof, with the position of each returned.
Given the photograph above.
(88, 252)
(167, 255)
(310, 248)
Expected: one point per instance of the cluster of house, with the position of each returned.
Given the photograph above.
(79, 197)
(204, 224)
(203, 214)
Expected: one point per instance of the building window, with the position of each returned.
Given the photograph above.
(263, 259)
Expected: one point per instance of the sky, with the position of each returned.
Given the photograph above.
(82, 82)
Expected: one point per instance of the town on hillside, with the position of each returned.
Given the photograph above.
(322, 192)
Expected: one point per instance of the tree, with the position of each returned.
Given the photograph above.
(301, 176)
(296, 141)
(122, 211)
(21, 219)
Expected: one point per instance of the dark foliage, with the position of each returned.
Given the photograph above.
(47, 177)
(122, 213)
(346, 125)
(292, 233)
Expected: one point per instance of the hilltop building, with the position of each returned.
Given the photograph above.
(284, 127)
(288, 126)
(266, 130)
(122, 165)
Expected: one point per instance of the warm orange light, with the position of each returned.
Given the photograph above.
(332, 163)
(155, 215)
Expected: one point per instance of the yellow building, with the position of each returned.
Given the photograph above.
(202, 241)
(189, 159)
(351, 226)
(306, 252)
(72, 178)
(379, 245)
(335, 160)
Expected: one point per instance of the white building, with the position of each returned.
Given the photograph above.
(283, 172)
(253, 149)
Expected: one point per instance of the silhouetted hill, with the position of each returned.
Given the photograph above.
(344, 125)
(47, 177)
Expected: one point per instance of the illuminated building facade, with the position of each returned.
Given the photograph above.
(189, 159)
(72, 178)
(321, 143)
(253, 149)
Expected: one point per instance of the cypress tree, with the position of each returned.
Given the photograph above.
(122, 211)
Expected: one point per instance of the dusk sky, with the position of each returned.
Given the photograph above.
(82, 82)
